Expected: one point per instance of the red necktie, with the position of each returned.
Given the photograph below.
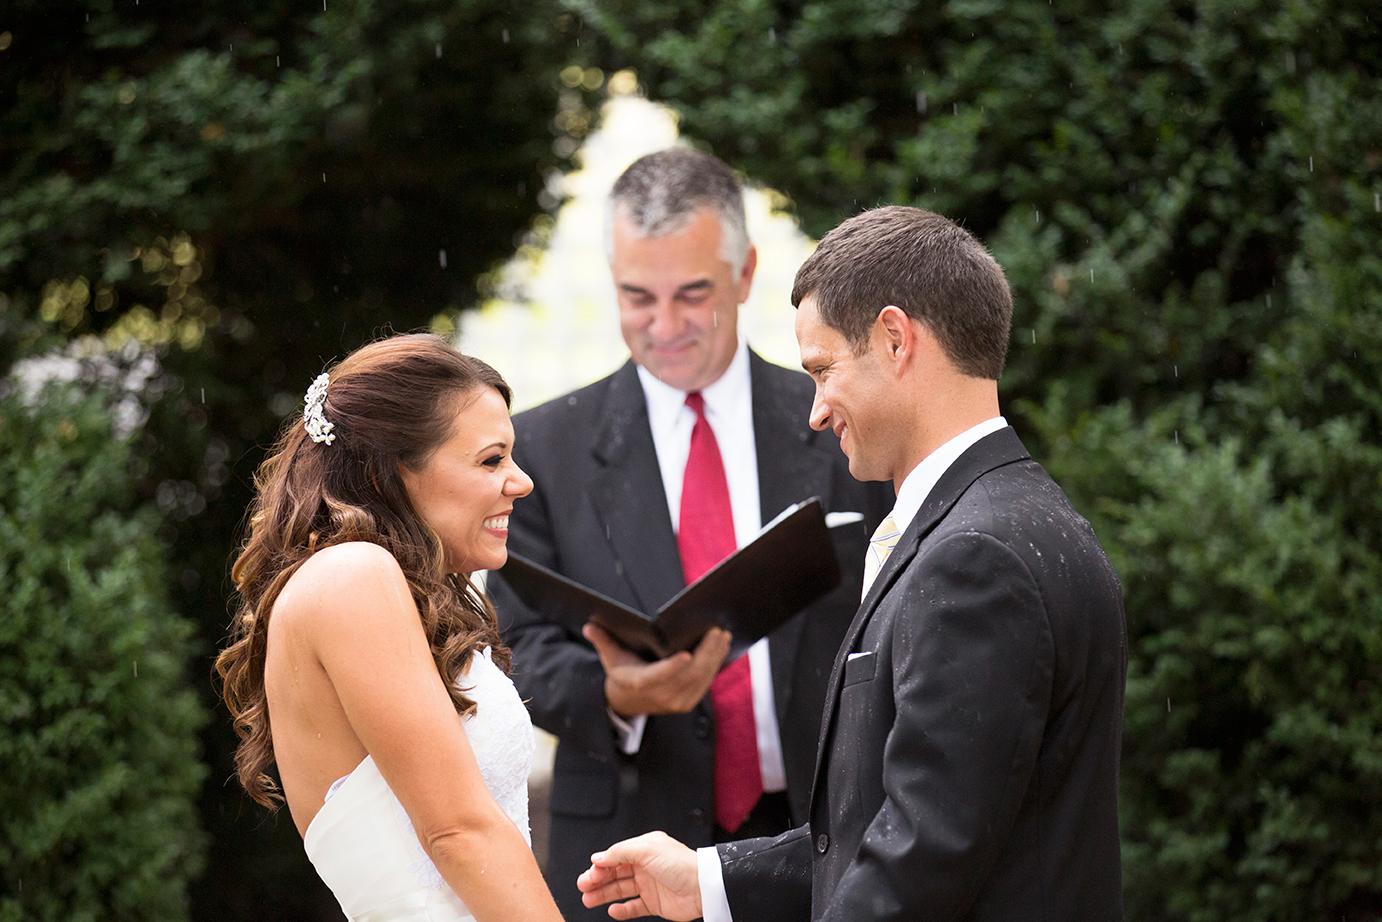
(705, 537)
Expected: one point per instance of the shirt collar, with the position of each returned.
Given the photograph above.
(665, 402)
(918, 484)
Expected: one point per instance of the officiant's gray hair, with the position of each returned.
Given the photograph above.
(661, 193)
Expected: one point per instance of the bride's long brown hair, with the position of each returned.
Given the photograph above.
(391, 402)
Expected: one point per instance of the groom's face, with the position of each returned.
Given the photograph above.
(855, 395)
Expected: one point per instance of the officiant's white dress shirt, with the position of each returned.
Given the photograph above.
(729, 411)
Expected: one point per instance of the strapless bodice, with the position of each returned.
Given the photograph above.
(364, 846)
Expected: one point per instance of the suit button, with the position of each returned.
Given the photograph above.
(698, 817)
(703, 727)
(822, 843)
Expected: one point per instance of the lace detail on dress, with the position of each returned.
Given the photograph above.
(335, 786)
(501, 735)
(427, 874)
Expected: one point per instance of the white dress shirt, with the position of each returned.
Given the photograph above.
(729, 411)
(916, 487)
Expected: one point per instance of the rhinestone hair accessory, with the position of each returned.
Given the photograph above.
(313, 420)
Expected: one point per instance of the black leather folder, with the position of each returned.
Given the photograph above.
(790, 564)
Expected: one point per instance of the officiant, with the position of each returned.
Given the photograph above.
(643, 481)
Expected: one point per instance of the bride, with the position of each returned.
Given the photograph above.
(364, 663)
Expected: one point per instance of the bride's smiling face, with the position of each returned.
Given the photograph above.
(466, 489)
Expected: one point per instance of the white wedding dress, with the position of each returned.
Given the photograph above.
(363, 844)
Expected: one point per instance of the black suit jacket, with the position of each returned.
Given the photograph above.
(968, 764)
(598, 514)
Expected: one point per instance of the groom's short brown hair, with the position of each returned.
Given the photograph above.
(935, 271)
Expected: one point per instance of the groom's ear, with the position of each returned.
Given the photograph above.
(894, 334)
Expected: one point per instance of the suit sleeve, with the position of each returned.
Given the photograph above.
(557, 673)
(967, 657)
(769, 878)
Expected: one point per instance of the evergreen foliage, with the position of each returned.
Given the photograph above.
(1187, 197)
(254, 190)
(98, 719)
(1248, 532)
(1137, 166)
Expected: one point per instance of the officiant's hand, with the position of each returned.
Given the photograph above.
(672, 685)
(654, 874)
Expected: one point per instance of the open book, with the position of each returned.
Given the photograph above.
(787, 566)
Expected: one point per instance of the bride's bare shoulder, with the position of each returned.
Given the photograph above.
(353, 575)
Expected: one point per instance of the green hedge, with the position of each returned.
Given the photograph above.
(1248, 532)
(98, 720)
(1187, 197)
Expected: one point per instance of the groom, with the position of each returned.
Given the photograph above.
(968, 759)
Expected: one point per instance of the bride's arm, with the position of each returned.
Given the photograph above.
(368, 637)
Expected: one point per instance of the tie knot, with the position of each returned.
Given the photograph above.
(886, 534)
(880, 546)
(696, 402)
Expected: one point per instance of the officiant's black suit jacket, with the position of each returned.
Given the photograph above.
(598, 514)
(968, 764)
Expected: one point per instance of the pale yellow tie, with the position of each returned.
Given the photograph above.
(880, 546)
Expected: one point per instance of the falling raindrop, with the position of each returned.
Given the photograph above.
(1175, 371)
(1177, 436)
(772, 36)
(506, 36)
(323, 177)
(441, 257)
(136, 668)
(1269, 300)
(715, 319)
(1377, 201)
(1033, 336)
(921, 101)
(1312, 164)
(1168, 705)
(203, 395)
(957, 108)
(438, 51)
(277, 62)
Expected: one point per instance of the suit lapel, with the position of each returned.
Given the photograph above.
(629, 497)
(790, 470)
(989, 453)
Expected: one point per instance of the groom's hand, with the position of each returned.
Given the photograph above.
(654, 874)
(672, 685)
